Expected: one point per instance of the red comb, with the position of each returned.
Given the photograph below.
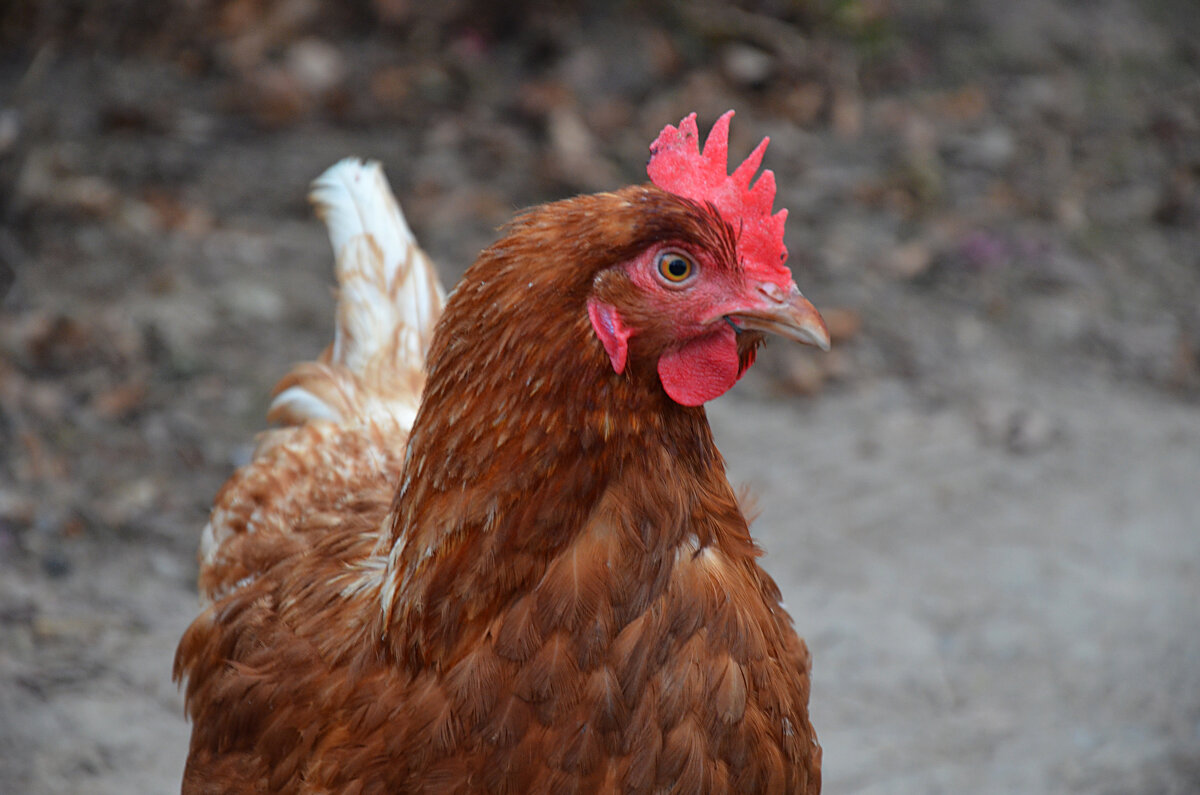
(677, 165)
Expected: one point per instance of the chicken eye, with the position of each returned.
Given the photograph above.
(675, 267)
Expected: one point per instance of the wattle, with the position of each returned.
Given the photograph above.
(702, 369)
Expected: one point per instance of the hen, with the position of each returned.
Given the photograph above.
(493, 548)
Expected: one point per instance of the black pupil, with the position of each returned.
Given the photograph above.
(677, 267)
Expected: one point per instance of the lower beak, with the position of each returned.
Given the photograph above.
(790, 316)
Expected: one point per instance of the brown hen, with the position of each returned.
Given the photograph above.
(521, 569)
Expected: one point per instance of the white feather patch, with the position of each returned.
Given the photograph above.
(302, 403)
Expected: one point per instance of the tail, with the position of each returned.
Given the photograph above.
(389, 300)
(346, 416)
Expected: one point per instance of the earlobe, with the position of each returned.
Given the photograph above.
(613, 333)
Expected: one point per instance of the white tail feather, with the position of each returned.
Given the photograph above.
(377, 251)
(389, 300)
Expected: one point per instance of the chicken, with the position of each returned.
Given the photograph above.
(493, 548)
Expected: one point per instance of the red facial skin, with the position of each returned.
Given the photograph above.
(704, 362)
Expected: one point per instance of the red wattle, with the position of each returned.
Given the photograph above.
(702, 369)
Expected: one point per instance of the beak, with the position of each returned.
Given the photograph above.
(790, 316)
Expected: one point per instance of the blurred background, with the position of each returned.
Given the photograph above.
(983, 507)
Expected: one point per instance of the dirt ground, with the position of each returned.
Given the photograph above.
(983, 507)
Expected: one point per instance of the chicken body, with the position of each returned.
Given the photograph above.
(542, 583)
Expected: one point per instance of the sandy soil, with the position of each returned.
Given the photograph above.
(982, 508)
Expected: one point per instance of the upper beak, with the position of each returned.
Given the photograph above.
(788, 315)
